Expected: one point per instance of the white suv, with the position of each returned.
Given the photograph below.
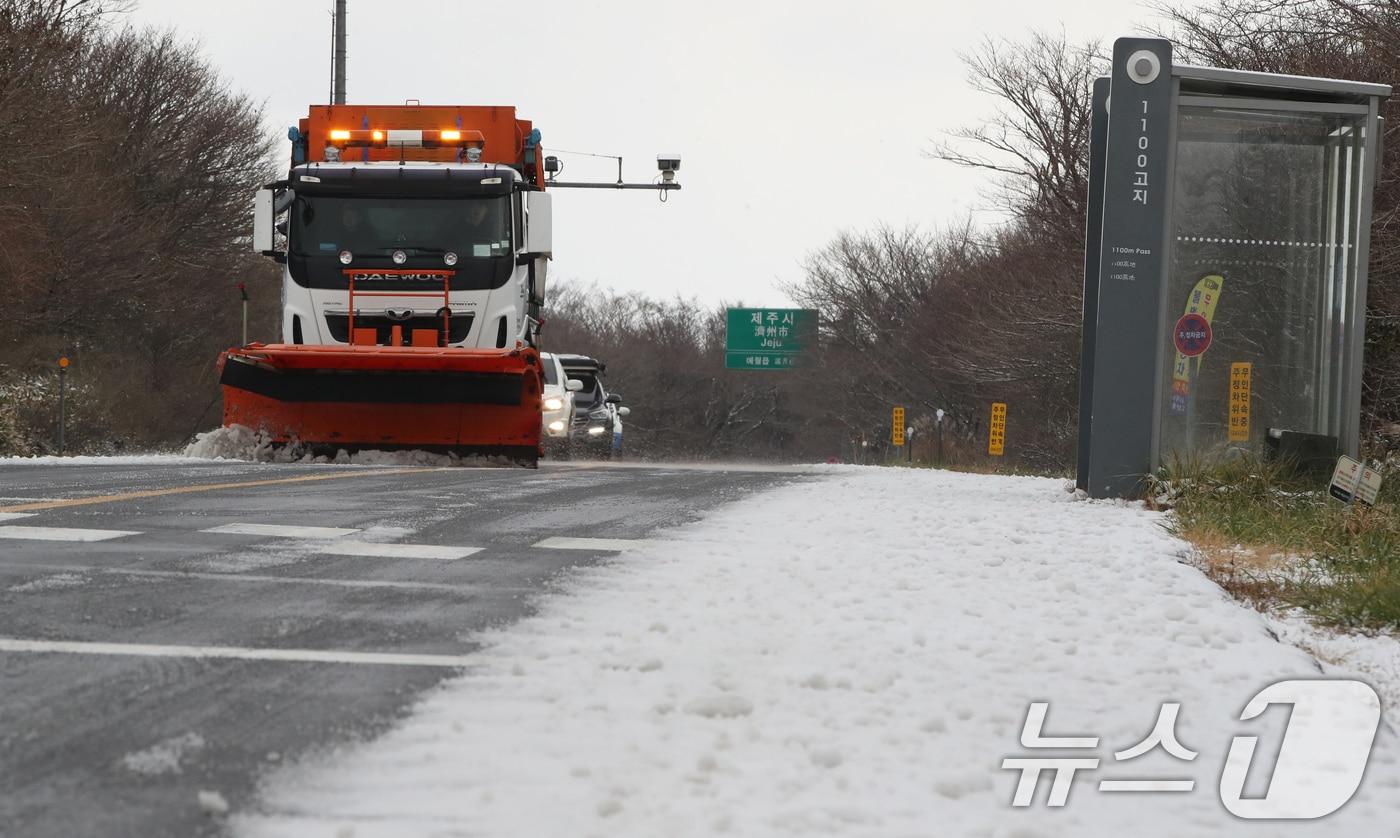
(557, 418)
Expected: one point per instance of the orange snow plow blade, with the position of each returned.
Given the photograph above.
(466, 401)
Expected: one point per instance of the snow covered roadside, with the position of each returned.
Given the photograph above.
(1375, 659)
(846, 656)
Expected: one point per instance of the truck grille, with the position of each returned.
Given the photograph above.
(459, 326)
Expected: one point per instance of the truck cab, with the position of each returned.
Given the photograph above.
(397, 231)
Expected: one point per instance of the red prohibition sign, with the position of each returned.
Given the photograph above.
(1192, 335)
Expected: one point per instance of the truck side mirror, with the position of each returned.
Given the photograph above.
(573, 385)
(539, 224)
(613, 399)
(262, 222)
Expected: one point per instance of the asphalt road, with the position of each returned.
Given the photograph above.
(166, 659)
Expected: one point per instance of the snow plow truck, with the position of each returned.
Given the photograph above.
(414, 242)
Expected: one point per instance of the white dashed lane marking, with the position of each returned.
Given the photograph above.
(61, 534)
(9, 644)
(279, 531)
(566, 543)
(396, 551)
(15, 516)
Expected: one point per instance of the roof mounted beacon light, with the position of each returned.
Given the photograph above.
(341, 138)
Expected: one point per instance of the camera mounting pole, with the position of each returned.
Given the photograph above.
(667, 164)
(659, 187)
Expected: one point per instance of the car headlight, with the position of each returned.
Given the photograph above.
(595, 430)
(556, 426)
(553, 404)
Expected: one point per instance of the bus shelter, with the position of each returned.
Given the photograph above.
(1225, 268)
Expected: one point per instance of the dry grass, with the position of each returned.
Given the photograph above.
(1273, 540)
(1255, 574)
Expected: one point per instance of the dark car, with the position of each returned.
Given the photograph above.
(597, 423)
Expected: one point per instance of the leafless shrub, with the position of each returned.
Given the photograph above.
(124, 200)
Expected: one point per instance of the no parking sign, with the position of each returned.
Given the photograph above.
(1192, 335)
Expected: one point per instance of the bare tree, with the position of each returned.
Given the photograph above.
(1038, 139)
(124, 200)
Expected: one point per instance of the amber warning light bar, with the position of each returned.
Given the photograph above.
(409, 138)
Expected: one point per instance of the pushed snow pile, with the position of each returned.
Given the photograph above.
(238, 442)
(851, 655)
(235, 442)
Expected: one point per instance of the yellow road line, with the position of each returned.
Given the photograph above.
(40, 506)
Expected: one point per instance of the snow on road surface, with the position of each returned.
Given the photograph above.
(238, 442)
(851, 655)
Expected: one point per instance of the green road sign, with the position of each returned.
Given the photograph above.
(768, 338)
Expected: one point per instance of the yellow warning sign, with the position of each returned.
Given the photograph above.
(1240, 373)
(897, 427)
(996, 440)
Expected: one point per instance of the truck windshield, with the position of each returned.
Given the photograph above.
(473, 228)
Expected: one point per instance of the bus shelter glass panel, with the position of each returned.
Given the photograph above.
(1263, 259)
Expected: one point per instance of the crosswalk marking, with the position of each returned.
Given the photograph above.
(396, 551)
(15, 516)
(61, 534)
(567, 543)
(279, 531)
(61, 503)
(324, 540)
(445, 587)
(10, 644)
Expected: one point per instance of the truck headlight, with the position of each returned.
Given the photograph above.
(556, 426)
(595, 430)
(553, 404)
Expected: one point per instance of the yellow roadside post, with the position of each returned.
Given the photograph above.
(1240, 373)
(996, 440)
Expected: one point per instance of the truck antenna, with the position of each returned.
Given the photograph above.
(338, 92)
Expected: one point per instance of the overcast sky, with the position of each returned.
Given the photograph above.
(795, 120)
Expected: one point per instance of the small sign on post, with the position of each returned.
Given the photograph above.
(897, 427)
(1240, 373)
(996, 440)
(1353, 481)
